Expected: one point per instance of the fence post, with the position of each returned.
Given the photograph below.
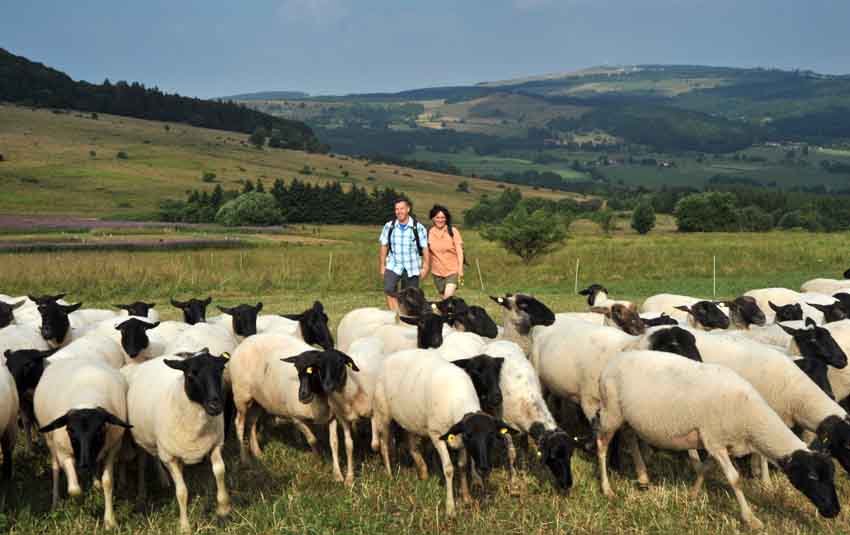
(714, 270)
(480, 278)
(578, 261)
(330, 265)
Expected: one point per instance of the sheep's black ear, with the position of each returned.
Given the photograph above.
(228, 311)
(67, 309)
(810, 323)
(505, 429)
(207, 301)
(18, 305)
(318, 306)
(8, 353)
(683, 308)
(151, 305)
(293, 317)
(176, 364)
(455, 431)
(772, 306)
(58, 423)
(152, 325)
(408, 320)
(464, 364)
(788, 330)
(48, 353)
(112, 419)
(178, 304)
(259, 306)
(501, 301)
(350, 363)
(122, 307)
(605, 311)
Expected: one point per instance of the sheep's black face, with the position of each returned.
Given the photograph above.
(202, 373)
(451, 307)
(817, 371)
(87, 433)
(411, 301)
(134, 338)
(844, 299)
(831, 313)
(138, 308)
(476, 320)
(429, 331)
(847, 274)
(833, 437)
(708, 315)
(7, 312)
(813, 474)
(592, 291)
(675, 340)
(817, 342)
(663, 319)
(54, 320)
(555, 450)
(333, 369)
(309, 375)
(478, 431)
(485, 372)
(314, 326)
(745, 312)
(787, 312)
(194, 310)
(244, 318)
(44, 299)
(26, 367)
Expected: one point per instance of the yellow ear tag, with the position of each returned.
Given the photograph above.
(309, 370)
(503, 430)
(349, 364)
(539, 453)
(500, 300)
(226, 355)
(434, 307)
(451, 437)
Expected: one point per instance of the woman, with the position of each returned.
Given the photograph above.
(446, 248)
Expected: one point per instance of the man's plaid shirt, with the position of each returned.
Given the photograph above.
(403, 254)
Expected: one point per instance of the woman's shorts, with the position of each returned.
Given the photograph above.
(441, 282)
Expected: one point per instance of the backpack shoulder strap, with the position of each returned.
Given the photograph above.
(390, 237)
(416, 235)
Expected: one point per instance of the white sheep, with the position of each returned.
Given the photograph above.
(81, 406)
(9, 407)
(839, 379)
(258, 376)
(139, 309)
(92, 347)
(15, 337)
(8, 315)
(175, 406)
(828, 286)
(783, 296)
(597, 296)
(430, 397)
(362, 322)
(198, 336)
(674, 403)
(137, 336)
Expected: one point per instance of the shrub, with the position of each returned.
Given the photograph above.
(258, 138)
(643, 217)
(94, 116)
(208, 176)
(122, 155)
(527, 235)
(706, 212)
(250, 209)
(606, 220)
(2, 158)
(92, 154)
(754, 219)
(306, 170)
(463, 187)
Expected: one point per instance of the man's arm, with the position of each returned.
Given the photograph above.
(382, 259)
(426, 262)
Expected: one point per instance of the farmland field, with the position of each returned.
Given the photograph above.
(291, 491)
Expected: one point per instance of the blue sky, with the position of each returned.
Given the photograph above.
(211, 48)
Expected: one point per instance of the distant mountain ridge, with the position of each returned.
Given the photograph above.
(29, 83)
(267, 95)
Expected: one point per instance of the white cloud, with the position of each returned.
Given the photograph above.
(318, 12)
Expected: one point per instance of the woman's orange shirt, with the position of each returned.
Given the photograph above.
(444, 251)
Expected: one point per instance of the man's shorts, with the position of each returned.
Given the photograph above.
(391, 280)
(440, 282)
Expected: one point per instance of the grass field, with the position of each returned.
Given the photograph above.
(48, 167)
(290, 491)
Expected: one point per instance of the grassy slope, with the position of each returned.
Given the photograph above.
(291, 491)
(48, 169)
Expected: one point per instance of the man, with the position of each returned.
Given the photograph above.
(399, 258)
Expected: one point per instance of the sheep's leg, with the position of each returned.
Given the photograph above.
(765, 471)
(700, 468)
(375, 444)
(308, 435)
(333, 440)
(448, 473)
(513, 483)
(637, 459)
(349, 452)
(71, 476)
(418, 460)
(221, 496)
(55, 467)
(254, 414)
(606, 423)
(384, 440)
(722, 458)
(176, 470)
(106, 483)
(462, 461)
(241, 414)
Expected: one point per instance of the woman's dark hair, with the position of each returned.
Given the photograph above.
(440, 208)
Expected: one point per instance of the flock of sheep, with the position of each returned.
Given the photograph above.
(732, 378)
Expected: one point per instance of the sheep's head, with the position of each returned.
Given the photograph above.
(410, 301)
(675, 340)
(844, 299)
(244, 318)
(429, 328)
(463, 317)
(831, 312)
(87, 433)
(793, 312)
(706, 315)
(663, 319)
(592, 292)
(333, 369)
(309, 377)
(817, 342)
(134, 337)
(138, 308)
(47, 298)
(555, 449)
(485, 372)
(26, 367)
(313, 323)
(525, 312)
(847, 274)
(194, 310)
(833, 437)
(477, 431)
(7, 312)
(624, 317)
(744, 311)
(54, 320)
(202, 373)
(813, 474)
